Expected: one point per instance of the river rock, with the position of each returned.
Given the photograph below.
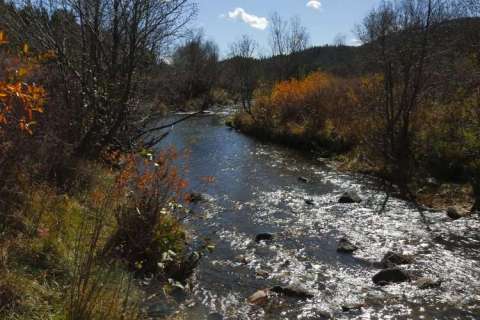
(392, 259)
(200, 197)
(310, 202)
(215, 316)
(260, 297)
(388, 276)
(352, 307)
(303, 179)
(262, 274)
(292, 292)
(424, 283)
(344, 245)
(263, 237)
(349, 197)
(453, 213)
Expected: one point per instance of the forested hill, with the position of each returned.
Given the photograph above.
(343, 60)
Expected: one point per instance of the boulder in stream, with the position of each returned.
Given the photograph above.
(259, 298)
(388, 276)
(263, 237)
(199, 197)
(393, 259)
(346, 246)
(292, 292)
(453, 213)
(349, 197)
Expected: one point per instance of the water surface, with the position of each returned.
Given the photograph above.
(256, 189)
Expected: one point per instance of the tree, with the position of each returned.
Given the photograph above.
(401, 37)
(244, 72)
(195, 64)
(340, 40)
(104, 49)
(287, 38)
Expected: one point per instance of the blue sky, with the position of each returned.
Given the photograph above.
(226, 20)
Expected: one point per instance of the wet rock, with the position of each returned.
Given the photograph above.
(303, 179)
(352, 307)
(453, 213)
(349, 197)
(199, 197)
(215, 316)
(392, 259)
(292, 292)
(263, 237)
(344, 245)
(310, 202)
(241, 259)
(262, 274)
(424, 283)
(259, 298)
(388, 276)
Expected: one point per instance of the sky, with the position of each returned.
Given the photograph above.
(224, 21)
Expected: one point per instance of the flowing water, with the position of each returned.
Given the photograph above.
(256, 190)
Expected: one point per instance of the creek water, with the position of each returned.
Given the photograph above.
(256, 190)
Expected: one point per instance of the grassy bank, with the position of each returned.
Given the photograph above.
(76, 255)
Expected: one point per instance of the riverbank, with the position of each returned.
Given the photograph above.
(85, 253)
(344, 156)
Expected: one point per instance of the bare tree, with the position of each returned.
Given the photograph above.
(242, 55)
(340, 40)
(195, 64)
(401, 36)
(278, 35)
(298, 36)
(103, 50)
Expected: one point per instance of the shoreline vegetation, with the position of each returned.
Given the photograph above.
(293, 111)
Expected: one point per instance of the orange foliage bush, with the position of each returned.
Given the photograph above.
(319, 108)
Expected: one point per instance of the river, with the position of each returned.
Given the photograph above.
(255, 189)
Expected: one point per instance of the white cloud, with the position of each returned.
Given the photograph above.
(250, 19)
(355, 42)
(314, 4)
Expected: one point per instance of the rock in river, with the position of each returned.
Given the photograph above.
(388, 276)
(349, 197)
(392, 259)
(453, 214)
(263, 237)
(260, 297)
(424, 283)
(344, 245)
(303, 179)
(292, 292)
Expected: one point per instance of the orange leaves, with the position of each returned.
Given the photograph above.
(19, 100)
(3, 38)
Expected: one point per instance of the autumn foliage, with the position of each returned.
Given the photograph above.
(317, 109)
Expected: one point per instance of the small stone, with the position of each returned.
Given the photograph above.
(389, 276)
(303, 179)
(453, 213)
(352, 307)
(215, 316)
(310, 202)
(292, 292)
(424, 283)
(260, 297)
(262, 274)
(349, 197)
(263, 237)
(345, 246)
(392, 259)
